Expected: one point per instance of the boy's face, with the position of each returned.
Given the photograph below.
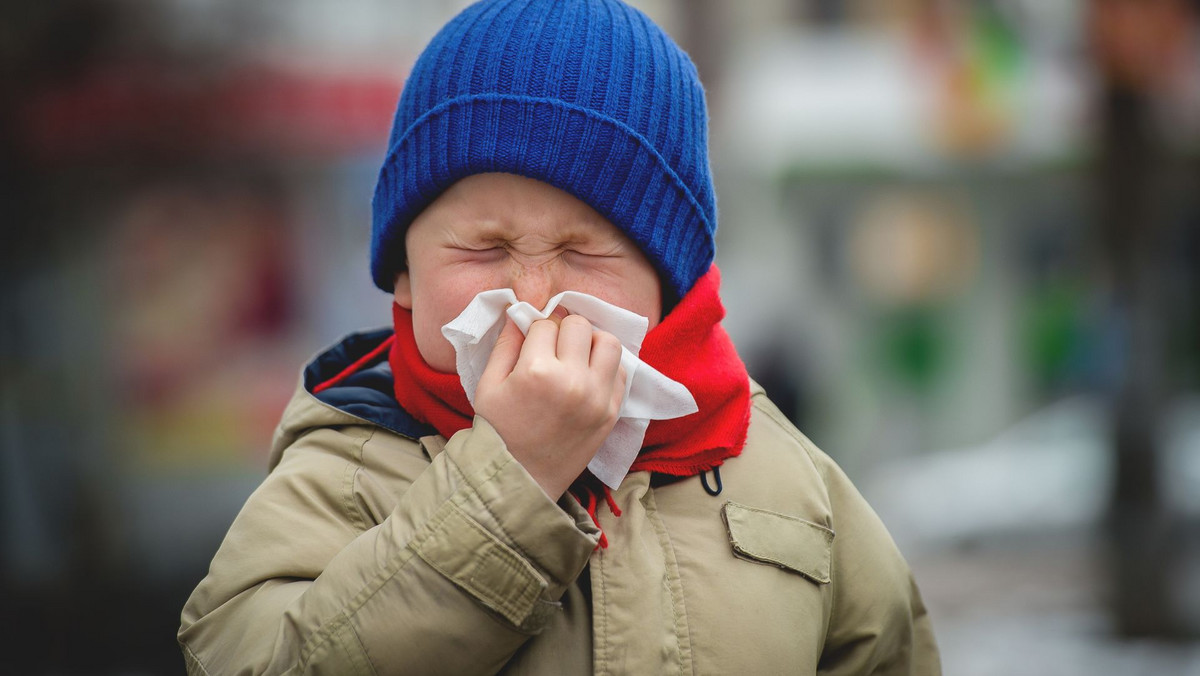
(495, 231)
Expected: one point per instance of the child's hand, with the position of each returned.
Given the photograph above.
(553, 395)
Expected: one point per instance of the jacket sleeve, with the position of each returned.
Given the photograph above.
(468, 565)
(878, 623)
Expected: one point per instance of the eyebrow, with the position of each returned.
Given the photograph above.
(489, 230)
(494, 230)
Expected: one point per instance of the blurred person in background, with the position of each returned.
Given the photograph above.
(409, 525)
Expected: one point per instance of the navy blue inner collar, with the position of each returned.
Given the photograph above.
(369, 392)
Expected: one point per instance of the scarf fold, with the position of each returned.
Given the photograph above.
(689, 346)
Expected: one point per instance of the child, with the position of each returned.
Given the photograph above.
(548, 146)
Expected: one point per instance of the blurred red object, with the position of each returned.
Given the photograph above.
(1141, 43)
(141, 110)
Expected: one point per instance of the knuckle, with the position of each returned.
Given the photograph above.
(607, 341)
(576, 320)
(595, 410)
(542, 326)
(575, 391)
(540, 372)
(614, 409)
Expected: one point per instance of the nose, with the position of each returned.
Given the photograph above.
(534, 284)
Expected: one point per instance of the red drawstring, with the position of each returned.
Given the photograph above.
(612, 504)
(591, 510)
(351, 369)
(590, 503)
(587, 485)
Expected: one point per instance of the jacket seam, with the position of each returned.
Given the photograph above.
(349, 503)
(601, 655)
(681, 627)
(741, 551)
(326, 631)
(775, 415)
(352, 419)
(192, 659)
(508, 538)
(508, 605)
(322, 636)
(370, 589)
(764, 404)
(829, 532)
(361, 660)
(290, 413)
(781, 421)
(468, 480)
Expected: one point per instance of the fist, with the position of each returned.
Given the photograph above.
(553, 396)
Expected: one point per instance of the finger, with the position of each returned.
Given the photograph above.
(575, 340)
(605, 356)
(505, 354)
(558, 315)
(541, 341)
(618, 393)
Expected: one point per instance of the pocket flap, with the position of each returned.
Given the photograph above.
(778, 539)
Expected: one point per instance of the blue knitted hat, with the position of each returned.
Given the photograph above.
(587, 95)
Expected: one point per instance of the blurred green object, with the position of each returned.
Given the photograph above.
(995, 44)
(1053, 339)
(912, 346)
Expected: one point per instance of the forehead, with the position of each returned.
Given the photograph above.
(508, 206)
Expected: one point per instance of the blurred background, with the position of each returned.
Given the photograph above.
(959, 241)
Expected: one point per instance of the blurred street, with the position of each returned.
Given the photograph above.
(1037, 606)
(959, 244)
(1022, 576)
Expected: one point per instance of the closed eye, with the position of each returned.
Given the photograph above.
(480, 253)
(594, 261)
(599, 252)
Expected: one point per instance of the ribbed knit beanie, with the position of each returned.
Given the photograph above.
(587, 95)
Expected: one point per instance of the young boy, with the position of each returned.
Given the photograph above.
(545, 146)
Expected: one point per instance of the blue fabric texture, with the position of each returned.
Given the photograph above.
(367, 393)
(587, 95)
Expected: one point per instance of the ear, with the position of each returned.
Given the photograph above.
(403, 290)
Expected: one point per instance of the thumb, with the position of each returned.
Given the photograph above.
(505, 353)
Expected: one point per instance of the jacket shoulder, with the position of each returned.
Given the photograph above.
(878, 622)
(779, 469)
(780, 460)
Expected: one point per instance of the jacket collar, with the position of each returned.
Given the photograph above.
(367, 394)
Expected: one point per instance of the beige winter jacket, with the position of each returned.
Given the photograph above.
(366, 552)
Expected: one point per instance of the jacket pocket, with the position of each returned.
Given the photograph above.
(778, 539)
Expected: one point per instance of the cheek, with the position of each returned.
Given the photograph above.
(437, 299)
(633, 289)
(647, 302)
(645, 299)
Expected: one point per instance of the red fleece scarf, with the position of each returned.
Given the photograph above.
(688, 346)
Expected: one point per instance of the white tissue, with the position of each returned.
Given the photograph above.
(649, 395)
